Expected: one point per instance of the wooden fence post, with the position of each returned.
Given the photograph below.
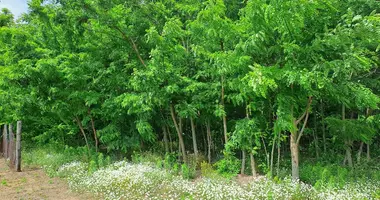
(18, 146)
(11, 146)
(5, 141)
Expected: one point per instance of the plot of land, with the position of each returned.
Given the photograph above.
(33, 184)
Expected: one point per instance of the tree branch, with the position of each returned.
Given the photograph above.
(306, 111)
(306, 118)
(132, 43)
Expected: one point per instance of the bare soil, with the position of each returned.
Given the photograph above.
(33, 183)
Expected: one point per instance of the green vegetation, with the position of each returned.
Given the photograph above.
(213, 87)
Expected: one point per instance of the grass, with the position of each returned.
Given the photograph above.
(4, 182)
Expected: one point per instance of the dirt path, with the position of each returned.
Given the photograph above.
(33, 184)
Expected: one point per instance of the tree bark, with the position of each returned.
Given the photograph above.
(242, 169)
(349, 154)
(195, 146)
(295, 138)
(316, 136)
(294, 150)
(93, 130)
(253, 164)
(179, 133)
(347, 143)
(360, 151)
(209, 140)
(278, 156)
(224, 116)
(271, 156)
(83, 133)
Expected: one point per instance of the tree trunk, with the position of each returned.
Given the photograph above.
(242, 169)
(271, 157)
(294, 150)
(195, 146)
(166, 142)
(295, 138)
(349, 154)
(347, 143)
(209, 140)
(253, 164)
(316, 136)
(83, 133)
(224, 116)
(278, 156)
(178, 129)
(204, 137)
(360, 151)
(93, 130)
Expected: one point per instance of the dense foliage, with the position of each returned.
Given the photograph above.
(224, 81)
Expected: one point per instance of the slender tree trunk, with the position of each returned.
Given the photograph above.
(360, 151)
(224, 116)
(349, 154)
(253, 164)
(242, 169)
(93, 130)
(195, 146)
(209, 140)
(278, 156)
(180, 124)
(266, 152)
(178, 129)
(316, 136)
(204, 137)
(368, 156)
(271, 156)
(83, 133)
(347, 143)
(222, 99)
(166, 142)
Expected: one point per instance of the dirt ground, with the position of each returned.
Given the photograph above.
(33, 184)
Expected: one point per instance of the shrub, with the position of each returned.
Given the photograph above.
(207, 170)
(187, 172)
(228, 167)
